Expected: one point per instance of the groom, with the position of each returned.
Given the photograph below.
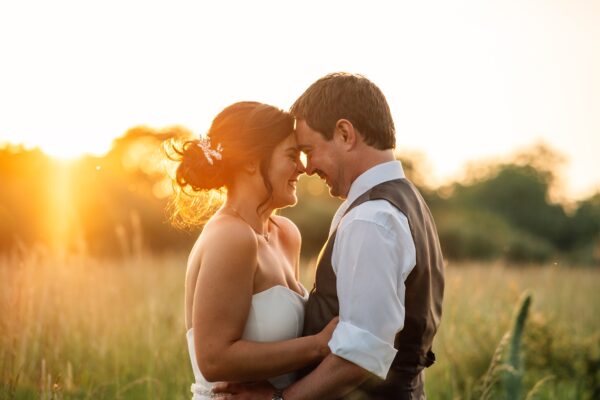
(381, 270)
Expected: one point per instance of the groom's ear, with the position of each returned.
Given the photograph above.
(345, 133)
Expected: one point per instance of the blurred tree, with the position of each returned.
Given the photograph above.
(585, 229)
(520, 195)
(586, 219)
(519, 192)
(25, 176)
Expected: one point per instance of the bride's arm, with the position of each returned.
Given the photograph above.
(222, 299)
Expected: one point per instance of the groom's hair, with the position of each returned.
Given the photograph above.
(353, 97)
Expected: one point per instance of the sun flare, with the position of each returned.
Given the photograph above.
(65, 148)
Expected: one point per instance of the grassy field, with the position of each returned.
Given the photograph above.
(78, 328)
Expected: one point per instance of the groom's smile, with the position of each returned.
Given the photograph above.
(321, 156)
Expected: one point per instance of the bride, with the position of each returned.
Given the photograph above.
(244, 305)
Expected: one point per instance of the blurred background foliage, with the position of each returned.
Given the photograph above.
(117, 205)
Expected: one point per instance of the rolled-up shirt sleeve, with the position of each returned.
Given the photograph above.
(372, 258)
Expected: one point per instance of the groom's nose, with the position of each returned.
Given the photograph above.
(308, 169)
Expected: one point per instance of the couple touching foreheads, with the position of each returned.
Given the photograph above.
(365, 330)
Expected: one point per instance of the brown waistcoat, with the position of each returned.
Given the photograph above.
(423, 298)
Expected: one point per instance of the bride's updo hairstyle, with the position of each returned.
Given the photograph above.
(242, 132)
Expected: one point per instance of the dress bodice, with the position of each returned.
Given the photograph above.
(275, 314)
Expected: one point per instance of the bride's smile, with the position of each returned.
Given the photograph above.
(286, 166)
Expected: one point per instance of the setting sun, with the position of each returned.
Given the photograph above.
(64, 148)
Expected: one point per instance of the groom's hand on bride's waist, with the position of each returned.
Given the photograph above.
(244, 391)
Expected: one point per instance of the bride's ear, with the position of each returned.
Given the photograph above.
(250, 167)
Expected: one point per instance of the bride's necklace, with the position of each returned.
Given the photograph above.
(265, 235)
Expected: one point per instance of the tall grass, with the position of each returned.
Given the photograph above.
(559, 347)
(78, 328)
(83, 329)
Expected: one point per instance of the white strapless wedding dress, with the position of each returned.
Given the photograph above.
(275, 314)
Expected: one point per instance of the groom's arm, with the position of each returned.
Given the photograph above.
(371, 260)
(332, 379)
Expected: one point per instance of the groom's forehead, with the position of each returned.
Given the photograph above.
(302, 143)
(304, 134)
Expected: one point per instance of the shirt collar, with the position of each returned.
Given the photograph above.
(387, 171)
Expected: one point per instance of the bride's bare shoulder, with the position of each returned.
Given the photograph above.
(288, 231)
(225, 237)
(228, 232)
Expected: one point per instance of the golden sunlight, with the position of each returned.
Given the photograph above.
(59, 216)
(64, 148)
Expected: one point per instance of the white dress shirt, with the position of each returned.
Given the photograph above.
(373, 254)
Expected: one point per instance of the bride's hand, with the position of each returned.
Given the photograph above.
(324, 336)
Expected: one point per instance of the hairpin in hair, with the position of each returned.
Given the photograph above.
(209, 152)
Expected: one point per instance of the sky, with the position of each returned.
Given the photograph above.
(465, 80)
